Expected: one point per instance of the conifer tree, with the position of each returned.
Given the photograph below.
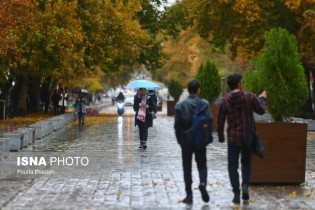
(282, 74)
(208, 75)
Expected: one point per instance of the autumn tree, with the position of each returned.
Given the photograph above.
(17, 19)
(113, 37)
(12, 16)
(45, 47)
(241, 24)
(61, 42)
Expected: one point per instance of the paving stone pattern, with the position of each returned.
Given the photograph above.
(121, 176)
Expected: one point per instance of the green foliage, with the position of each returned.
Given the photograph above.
(282, 74)
(175, 89)
(173, 19)
(208, 75)
(252, 78)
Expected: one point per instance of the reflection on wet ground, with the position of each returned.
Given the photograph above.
(121, 176)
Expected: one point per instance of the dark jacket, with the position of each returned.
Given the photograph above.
(153, 96)
(120, 97)
(237, 108)
(55, 98)
(148, 118)
(183, 117)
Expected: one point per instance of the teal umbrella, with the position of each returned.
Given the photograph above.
(141, 83)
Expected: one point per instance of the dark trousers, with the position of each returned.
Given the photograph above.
(56, 109)
(143, 130)
(233, 164)
(201, 160)
(81, 117)
(46, 106)
(62, 109)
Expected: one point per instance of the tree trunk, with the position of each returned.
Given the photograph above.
(19, 96)
(307, 107)
(34, 94)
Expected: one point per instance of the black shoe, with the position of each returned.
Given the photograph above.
(245, 196)
(140, 146)
(236, 199)
(144, 146)
(188, 199)
(204, 193)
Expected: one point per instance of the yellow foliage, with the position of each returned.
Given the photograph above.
(95, 86)
(17, 122)
(293, 194)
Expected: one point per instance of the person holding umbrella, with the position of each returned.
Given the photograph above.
(80, 106)
(143, 105)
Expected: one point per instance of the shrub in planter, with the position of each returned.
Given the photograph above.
(281, 74)
(175, 89)
(210, 87)
(210, 81)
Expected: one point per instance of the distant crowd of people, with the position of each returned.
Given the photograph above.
(59, 100)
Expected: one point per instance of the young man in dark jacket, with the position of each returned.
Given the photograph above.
(238, 107)
(183, 123)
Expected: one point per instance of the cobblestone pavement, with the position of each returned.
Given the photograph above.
(101, 167)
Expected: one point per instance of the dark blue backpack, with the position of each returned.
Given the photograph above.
(201, 128)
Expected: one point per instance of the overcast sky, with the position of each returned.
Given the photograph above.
(171, 1)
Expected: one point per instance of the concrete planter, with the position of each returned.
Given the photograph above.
(1, 149)
(27, 136)
(39, 130)
(5, 148)
(285, 154)
(16, 140)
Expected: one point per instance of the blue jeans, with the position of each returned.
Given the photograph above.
(233, 164)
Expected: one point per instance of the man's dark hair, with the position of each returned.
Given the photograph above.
(233, 80)
(193, 86)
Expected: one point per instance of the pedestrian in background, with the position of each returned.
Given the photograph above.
(238, 107)
(45, 97)
(120, 97)
(143, 105)
(63, 101)
(151, 93)
(80, 106)
(183, 123)
(55, 97)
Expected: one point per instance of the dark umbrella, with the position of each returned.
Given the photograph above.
(78, 91)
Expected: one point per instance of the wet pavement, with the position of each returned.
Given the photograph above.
(99, 166)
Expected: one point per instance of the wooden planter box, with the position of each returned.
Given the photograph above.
(159, 107)
(214, 109)
(285, 154)
(171, 108)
